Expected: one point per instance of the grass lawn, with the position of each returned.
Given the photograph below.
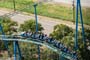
(49, 10)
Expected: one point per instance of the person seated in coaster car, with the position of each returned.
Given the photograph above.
(61, 46)
(53, 42)
(57, 44)
(33, 35)
(41, 37)
(37, 35)
(65, 49)
(23, 34)
(49, 40)
(45, 37)
(28, 34)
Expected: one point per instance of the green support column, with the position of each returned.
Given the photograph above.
(5, 42)
(78, 9)
(19, 51)
(35, 12)
(76, 33)
(82, 24)
(14, 5)
(15, 50)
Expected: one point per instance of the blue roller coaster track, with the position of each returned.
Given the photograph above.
(53, 46)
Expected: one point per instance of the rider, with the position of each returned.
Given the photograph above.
(37, 35)
(45, 37)
(22, 34)
(41, 36)
(50, 39)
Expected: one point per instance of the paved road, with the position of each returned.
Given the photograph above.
(83, 2)
(47, 23)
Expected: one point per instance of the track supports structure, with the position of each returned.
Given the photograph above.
(16, 46)
(35, 12)
(5, 42)
(15, 50)
(79, 9)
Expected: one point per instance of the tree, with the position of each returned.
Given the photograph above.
(30, 25)
(66, 35)
(87, 33)
(7, 23)
(84, 52)
(61, 31)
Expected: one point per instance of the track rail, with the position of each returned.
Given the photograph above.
(38, 42)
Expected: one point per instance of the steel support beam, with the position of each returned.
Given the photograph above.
(35, 12)
(76, 33)
(15, 50)
(78, 9)
(81, 20)
(20, 55)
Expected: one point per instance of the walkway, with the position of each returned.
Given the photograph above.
(47, 23)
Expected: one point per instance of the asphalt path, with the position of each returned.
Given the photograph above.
(47, 23)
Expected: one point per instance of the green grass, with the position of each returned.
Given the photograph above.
(49, 10)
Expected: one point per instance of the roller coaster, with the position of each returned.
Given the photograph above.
(42, 39)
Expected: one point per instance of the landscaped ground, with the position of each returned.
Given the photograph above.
(50, 10)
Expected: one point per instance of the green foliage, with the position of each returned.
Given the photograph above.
(2, 47)
(87, 33)
(30, 25)
(66, 35)
(30, 52)
(84, 52)
(61, 31)
(86, 15)
(7, 23)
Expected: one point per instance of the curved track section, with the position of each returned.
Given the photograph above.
(38, 42)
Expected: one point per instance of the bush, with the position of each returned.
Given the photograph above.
(6, 23)
(66, 35)
(30, 25)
